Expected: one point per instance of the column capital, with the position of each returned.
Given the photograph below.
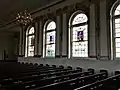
(95, 1)
(58, 12)
(65, 9)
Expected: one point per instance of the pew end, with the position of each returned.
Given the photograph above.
(61, 66)
(91, 69)
(47, 65)
(69, 67)
(117, 72)
(41, 65)
(54, 66)
(103, 70)
(79, 68)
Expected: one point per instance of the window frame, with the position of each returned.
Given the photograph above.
(45, 38)
(27, 41)
(71, 35)
(113, 17)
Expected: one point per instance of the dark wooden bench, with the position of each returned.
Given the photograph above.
(110, 83)
(73, 83)
(35, 77)
(42, 82)
(35, 73)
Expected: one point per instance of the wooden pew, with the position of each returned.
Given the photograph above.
(58, 79)
(111, 83)
(35, 73)
(40, 76)
(73, 83)
(47, 81)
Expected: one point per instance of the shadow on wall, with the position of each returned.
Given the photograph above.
(7, 56)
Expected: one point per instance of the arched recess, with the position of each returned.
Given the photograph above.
(115, 30)
(30, 42)
(78, 35)
(49, 39)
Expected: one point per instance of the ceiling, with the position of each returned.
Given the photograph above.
(9, 8)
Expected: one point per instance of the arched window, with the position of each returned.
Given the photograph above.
(49, 39)
(115, 30)
(78, 35)
(30, 41)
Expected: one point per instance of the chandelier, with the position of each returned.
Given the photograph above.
(24, 18)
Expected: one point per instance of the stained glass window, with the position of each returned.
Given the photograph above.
(79, 36)
(50, 37)
(115, 30)
(30, 42)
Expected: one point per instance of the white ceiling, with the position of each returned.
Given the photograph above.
(9, 8)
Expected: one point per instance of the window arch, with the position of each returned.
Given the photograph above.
(49, 39)
(115, 30)
(78, 35)
(30, 41)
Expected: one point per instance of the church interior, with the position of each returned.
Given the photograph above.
(60, 45)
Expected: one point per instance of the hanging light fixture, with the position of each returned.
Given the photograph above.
(24, 18)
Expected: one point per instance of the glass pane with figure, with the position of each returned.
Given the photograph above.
(50, 37)
(80, 33)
